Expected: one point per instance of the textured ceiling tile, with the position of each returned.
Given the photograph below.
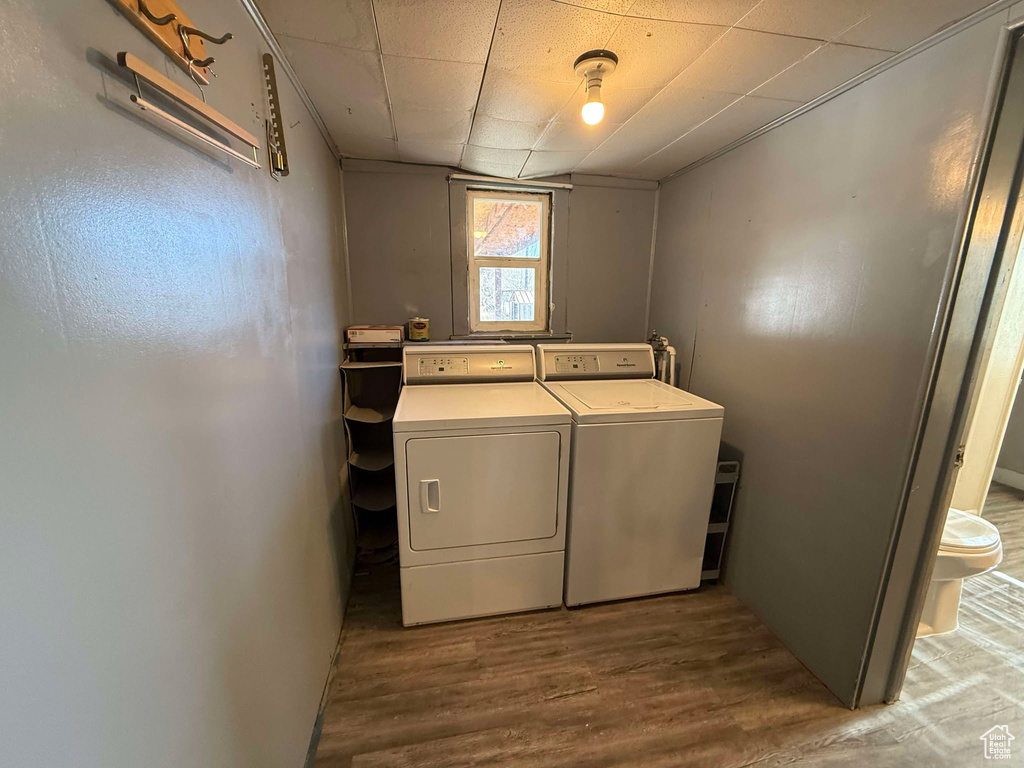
(668, 116)
(725, 12)
(450, 30)
(486, 155)
(651, 53)
(365, 148)
(746, 115)
(345, 73)
(822, 19)
(346, 85)
(600, 161)
(549, 163)
(741, 60)
(575, 135)
(432, 84)
(620, 103)
(608, 6)
(896, 26)
(369, 119)
(541, 39)
(432, 126)
(492, 169)
(823, 70)
(434, 154)
(522, 99)
(339, 22)
(505, 134)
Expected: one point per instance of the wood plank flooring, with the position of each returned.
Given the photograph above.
(680, 680)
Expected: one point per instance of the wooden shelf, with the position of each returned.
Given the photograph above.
(375, 415)
(372, 460)
(359, 365)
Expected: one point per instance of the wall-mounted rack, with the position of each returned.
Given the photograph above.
(143, 72)
(175, 34)
(275, 123)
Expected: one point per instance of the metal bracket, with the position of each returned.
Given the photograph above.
(275, 126)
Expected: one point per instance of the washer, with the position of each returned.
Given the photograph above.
(642, 472)
(482, 467)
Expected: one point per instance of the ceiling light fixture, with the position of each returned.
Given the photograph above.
(592, 66)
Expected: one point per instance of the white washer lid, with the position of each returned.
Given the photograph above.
(964, 531)
(627, 400)
(465, 406)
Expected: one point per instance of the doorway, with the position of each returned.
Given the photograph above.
(970, 632)
(968, 406)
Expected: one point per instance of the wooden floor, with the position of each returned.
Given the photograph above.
(680, 680)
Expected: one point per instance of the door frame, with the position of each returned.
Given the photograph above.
(976, 282)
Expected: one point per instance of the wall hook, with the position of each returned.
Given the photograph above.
(199, 33)
(160, 20)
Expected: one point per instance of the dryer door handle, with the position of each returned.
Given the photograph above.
(430, 496)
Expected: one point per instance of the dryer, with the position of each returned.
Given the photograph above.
(642, 472)
(481, 467)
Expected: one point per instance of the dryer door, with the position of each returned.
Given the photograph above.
(482, 489)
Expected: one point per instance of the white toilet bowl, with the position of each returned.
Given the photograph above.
(970, 546)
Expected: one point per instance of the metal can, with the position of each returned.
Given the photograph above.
(419, 329)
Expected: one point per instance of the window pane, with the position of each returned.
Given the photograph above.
(506, 294)
(507, 228)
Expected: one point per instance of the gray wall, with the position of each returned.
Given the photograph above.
(802, 272)
(610, 232)
(170, 432)
(1011, 455)
(400, 256)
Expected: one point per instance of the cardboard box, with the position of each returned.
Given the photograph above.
(374, 334)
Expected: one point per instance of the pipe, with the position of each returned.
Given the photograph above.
(670, 356)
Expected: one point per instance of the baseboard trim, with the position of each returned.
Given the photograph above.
(1009, 477)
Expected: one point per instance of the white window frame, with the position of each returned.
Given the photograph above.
(541, 265)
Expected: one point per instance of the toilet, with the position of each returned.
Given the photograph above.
(970, 546)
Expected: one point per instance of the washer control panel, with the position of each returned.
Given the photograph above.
(560, 362)
(468, 363)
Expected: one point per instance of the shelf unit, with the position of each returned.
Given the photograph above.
(726, 479)
(372, 376)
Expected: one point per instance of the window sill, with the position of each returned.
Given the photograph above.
(514, 336)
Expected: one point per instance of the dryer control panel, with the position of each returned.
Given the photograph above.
(439, 365)
(560, 362)
(468, 364)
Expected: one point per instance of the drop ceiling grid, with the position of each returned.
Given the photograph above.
(435, 81)
(384, 74)
(480, 87)
(434, 58)
(852, 13)
(738, 26)
(569, 101)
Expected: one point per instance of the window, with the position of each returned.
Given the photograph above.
(508, 249)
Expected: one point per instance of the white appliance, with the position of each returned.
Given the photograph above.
(481, 466)
(642, 472)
